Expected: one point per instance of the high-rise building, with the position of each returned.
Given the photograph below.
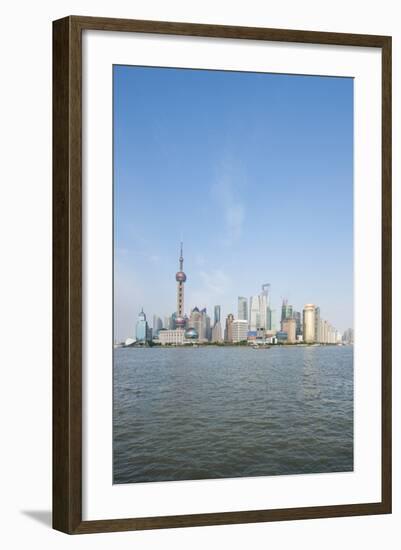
(200, 321)
(348, 336)
(242, 308)
(289, 326)
(263, 309)
(141, 332)
(180, 277)
(167, 323)
(196, 321)
(317, 324)
(273, 319)
(173, 317)
(298, 320)
(309, 323)
(286, 310)
(254, 313)
(266, 321)
(217, 314)
(324, 332)
(259, 310)
(216, 332)
(157, 325)
(239, 329)
(228, 333)
(207, 324)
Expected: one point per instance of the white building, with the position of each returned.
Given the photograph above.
(254, 313)
(309, 324)
(239, 329)
(259, 310)
(172, 337)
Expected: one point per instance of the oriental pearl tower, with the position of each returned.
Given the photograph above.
(180, 277)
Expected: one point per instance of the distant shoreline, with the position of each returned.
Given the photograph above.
(227, 345)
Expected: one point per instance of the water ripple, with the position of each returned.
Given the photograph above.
(231, 412)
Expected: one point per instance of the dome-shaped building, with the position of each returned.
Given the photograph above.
(191, 334)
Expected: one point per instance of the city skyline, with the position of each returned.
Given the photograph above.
(255, 320)
(263, 218)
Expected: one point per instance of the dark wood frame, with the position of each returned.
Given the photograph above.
(67, 274)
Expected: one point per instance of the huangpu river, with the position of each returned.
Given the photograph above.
(220, 412)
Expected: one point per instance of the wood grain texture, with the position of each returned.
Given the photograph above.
(67, 277)
(67, 274)
(386, 276)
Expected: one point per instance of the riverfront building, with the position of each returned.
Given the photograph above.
(228, 333)
(317, 324)
(174, 337)
(142, 329)
(348, 336)
(239, 329)
(286, 311)
(297, 317)
(216, 332)
(290, 328)
(254, 313)
(157, 326)
(259, 310)
(309, 324)
(242, 308)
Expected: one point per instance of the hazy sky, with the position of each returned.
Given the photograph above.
(254, 172)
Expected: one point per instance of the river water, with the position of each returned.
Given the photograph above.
(219, 412)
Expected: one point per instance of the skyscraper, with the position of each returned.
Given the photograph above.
(317, 325)
(195, 322)
(207, 325)
(259, 310)
(265, 314)
(157, 325)
(216, 332)
(242, 308)
(228, 333)
(348, 336)
(180, 277)
(290, 327)
(273, 319)
(167, 322)
(254, 313)
(141, 331)
(286, 310)
(309, 323)
(298, 320)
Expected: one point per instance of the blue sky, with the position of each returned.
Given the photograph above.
(253, 171)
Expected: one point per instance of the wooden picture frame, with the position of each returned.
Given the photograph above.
(67, 274)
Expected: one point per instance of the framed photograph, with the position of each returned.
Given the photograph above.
(222, 275)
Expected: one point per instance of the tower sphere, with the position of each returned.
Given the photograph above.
(181, 277)
(180, 322)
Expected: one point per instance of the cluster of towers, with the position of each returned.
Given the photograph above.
(255, 321)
